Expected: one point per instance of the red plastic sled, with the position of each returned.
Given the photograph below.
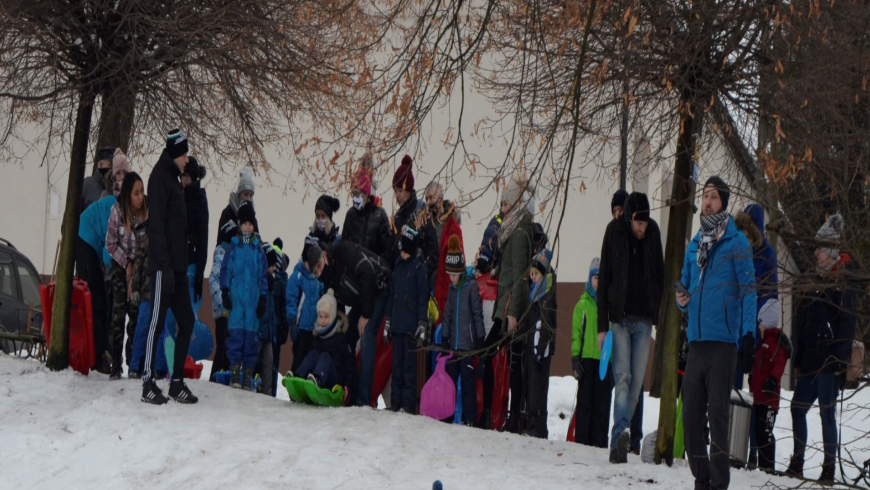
(192, 370)
(570, 436)
(501, 388)
(383, 366)
(81, 324)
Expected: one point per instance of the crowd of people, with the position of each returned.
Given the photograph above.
(143, 251)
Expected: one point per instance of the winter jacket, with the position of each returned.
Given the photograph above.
(167, 220)
(763, 257)
(196, 204)
(513, 282)
(92, 189)
(541, 322)
(614, 274)
(94, 224)
(331, 238)
(141, 281)
(462, 326)
(408, 300)
(214, 280)
(773, 352)
(369, 228)
(334, 343)
(353, 266)
(827, 332)
(279, 295)
(584, 329)
(488, 252)
(412, 213)
(722, 304)
(243, 272)
(123, 244)
(302, 294)
(228, 214)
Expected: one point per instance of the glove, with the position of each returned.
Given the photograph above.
(387, 337)
(281, 334)
(197, 290)
(578, 368)
(748, 353)
(168, 284)
(421, 332)
(226, 302)
(261, 307)
(770, 385)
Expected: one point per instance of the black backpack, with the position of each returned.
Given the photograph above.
(349, 290)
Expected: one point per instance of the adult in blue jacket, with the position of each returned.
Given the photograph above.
(720, 278)
(302, 294)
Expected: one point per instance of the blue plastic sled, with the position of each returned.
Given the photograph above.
(606, 350)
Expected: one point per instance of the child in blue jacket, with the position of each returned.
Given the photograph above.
(303, 292)
(243, 295)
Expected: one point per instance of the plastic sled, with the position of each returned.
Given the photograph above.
(500, 390)
(296, 389)
(606, 350)
(570, 436)
(383, 366)
(325, 397)
(438, 400)
(223, 377)
(192, 370)
(81, 324)
(201, 342)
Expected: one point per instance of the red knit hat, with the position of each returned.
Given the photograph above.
(362, 181)
(404, 176)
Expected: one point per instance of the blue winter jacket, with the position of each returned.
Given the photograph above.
(94, 224)
(303, 293)
(408, 300)
(243, 272)
(722, 304)
(764, 260)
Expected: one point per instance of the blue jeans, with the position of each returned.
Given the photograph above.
(809, 387)
(631, 340)
(369, 350)
(140, 339)
(320, 365)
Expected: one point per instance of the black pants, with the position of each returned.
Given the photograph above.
(592, 415)
(765, 418)
(707, 391)
(301, 348)
(403, 387)
(465, 366)
(537, 388)
(516, 351)
(221, 361)
(179, 301)
(489, 373)
(89, 269)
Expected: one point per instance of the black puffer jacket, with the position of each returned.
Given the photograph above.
(196, 202)
(167, 219)
(613, 274)
(411, 214)
(369, 228)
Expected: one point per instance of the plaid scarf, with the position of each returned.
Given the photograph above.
(712, 227)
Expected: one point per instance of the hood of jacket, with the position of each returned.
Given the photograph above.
(746, 224)
(757, 214)
(339, 325)
(300, 268)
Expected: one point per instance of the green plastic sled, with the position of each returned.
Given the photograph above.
(296, 388)
(325, 397)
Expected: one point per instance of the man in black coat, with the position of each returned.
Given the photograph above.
(167, 264)
(366, 223)
(631, 281)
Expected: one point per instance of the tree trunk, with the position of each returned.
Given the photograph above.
(679, 221)
(58, 351)
(116, 117)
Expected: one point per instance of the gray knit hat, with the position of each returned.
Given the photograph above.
(830, 232)
(246, 181)
(769, 314)
(595, 266)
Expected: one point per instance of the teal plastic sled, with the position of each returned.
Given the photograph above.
(296, 389)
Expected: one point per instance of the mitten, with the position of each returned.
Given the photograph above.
(748, 353)
(421, 332)
(578, 368)
(226, 302)
(770, 385)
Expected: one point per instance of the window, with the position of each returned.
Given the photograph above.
(7, 276)
(29, 284)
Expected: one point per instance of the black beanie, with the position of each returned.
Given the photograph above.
(105, 153)
(227, 232)
(637, 205)
(408, 240)
(194, 169)
(278, 243)
(271, 254)
(176, 143)
(722, 188)
(246, 213)
(310, 241)
(327, 204)
(454, 262)
(618, 199)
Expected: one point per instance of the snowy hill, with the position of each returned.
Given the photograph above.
(87, 432)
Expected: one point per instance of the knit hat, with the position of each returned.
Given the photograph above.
(105, 153)
(193, 169)
(246, 213)
(454, 261)
(227, 232)
(362, 180)
(120, 162)
(176, 143)
(722, 188)
(404, 176)
(327, 304)
(408, 240)
(618, 199)
(769, 314)
(327, 204)
(271, 254)
(278, 246)
(541, 262)
(246, 181)
(830, 232)
(637, 205)
(514, 188)
(594, 267)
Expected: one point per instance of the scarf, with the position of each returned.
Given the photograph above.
(510, 223)
(539, 289)
(712, 228)
(327, 331)
(246, 238)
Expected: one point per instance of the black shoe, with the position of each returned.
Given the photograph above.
(247, 377)
(134, 375)
(115, 374)
(179, 392)
(395, 407)
(485, 422)
(511, 426)
(827, 477)
(619, 454)
(152, 394)
(235, 380)
(795, 468)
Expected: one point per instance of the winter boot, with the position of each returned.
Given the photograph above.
(313, 379)
(395, 406)
(485, 421)
(247, 377)
(512, 425)
(795, 468)
(827, 477)
(619, 454)
(134, 375)
(179, 392)
(116, 373)
(152, 394)
(235, 381)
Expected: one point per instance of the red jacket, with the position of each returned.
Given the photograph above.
(773, 352)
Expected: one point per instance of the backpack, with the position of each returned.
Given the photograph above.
(349, 290)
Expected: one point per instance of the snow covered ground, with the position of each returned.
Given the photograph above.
(87, 432)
